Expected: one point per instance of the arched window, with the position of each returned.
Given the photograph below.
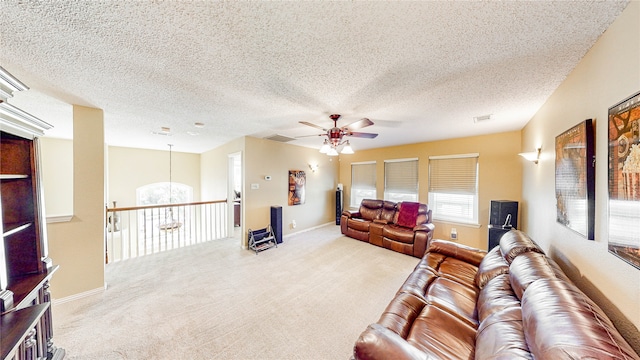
(158, 194)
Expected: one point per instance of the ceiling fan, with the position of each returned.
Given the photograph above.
(336, 134)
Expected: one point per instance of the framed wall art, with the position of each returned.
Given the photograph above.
(575, 179)
(624, 180)
(297, 184)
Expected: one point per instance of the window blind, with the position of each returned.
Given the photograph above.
(363, 176)
(454, 175)
(401, 176)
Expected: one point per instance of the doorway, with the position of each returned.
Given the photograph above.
(235, 197)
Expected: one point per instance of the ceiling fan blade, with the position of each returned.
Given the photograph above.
(304, 136)
(362, 135)
(364, 122)
(312, 125)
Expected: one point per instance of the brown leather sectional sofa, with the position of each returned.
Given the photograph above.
(511, 303)
(384, 223)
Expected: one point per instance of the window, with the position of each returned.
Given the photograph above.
(363, 182)
(158, 194)
(401, 180)
(453, 188)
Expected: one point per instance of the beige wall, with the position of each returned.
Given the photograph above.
(78, 246)
(609, 73)
(56, 157)
(499, 174)
(266, 157)
(130, 168)
(214, 168)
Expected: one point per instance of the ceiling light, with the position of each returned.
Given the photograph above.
(332, 152)
(347, 149)
(325, 147)
(533, 156)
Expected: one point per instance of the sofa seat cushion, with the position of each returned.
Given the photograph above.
(496, 296)
(442, 335)
(398, 233)
(432, 260)
(358, 224)
(401, 313)
(378, 342)
(501, 336)
(419, 281)
(459, 270)
(455, 298)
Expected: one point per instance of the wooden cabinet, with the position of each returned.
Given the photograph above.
(25, 267)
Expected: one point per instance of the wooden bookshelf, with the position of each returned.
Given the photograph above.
(25, 268)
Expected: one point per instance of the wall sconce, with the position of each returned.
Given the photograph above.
(533, 156)
(313, 167)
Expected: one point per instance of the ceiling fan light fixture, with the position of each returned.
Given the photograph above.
(332, 152)
(325, 147)
(347, 149)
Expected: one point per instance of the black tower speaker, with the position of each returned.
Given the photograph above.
(499, 211)
(276, 222)
(495, 234)
(338, 206)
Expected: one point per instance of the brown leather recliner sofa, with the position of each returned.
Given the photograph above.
(404, 227)
(513, 302)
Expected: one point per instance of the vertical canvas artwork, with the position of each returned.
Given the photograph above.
(624, 180)
(297, 184)
(575, 179)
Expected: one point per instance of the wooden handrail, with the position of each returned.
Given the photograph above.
(164, 205)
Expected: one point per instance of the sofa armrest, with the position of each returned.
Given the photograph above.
(351, 214)
(425, 227)
(465, 253)
(378, 342)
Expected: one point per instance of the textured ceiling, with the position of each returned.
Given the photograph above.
(420, 70)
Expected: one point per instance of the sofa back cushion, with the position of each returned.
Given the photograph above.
(423, 215)
(530, 267)
(561, 322)
(388, 212)
(370, 209)
(514, 243)
(491, 266)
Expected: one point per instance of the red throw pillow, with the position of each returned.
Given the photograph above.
(408, 214)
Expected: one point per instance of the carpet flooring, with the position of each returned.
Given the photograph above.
(310, 298)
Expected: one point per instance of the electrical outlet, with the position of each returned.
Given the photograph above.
(293, 224)
(454, 234)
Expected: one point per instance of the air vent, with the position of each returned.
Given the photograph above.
(482, 118)
(280, 138)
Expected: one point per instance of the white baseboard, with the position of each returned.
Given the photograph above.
(309, 229)
(79, 296)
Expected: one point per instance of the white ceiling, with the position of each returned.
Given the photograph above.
(420, 70)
